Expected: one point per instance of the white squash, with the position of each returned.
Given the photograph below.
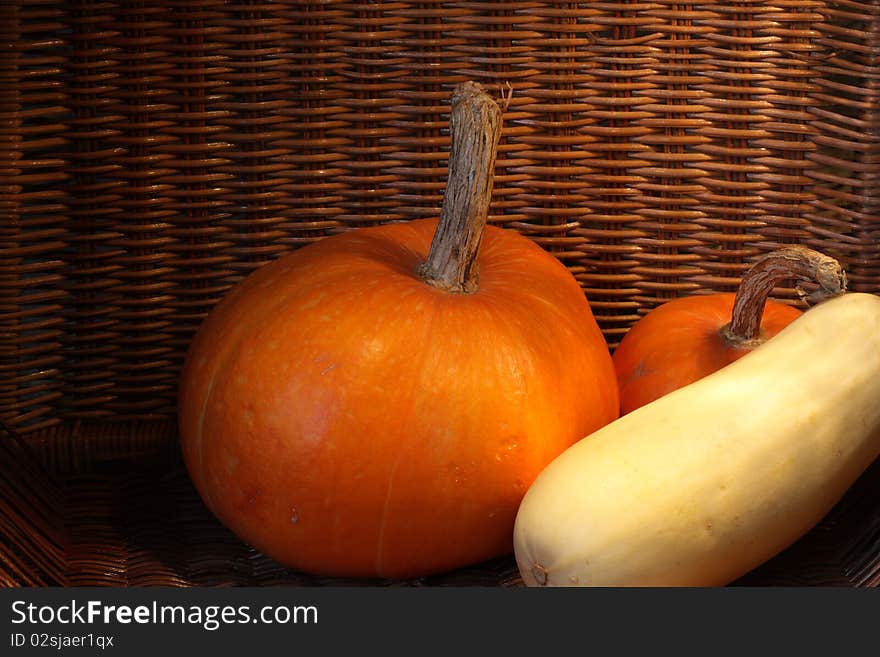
(704, 484)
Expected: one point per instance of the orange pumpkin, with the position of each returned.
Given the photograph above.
(688, 338)
(351, 410)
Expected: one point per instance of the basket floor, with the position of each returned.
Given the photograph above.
(136, 520)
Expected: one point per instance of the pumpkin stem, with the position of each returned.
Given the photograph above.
(791, 262)
(475, 128)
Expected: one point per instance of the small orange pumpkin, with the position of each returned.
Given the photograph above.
(375, 405)
(688, 338)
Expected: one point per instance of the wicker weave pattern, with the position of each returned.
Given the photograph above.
(157, 152)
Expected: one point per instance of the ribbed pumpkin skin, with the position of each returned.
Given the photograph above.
(679, 342)
(345, 418)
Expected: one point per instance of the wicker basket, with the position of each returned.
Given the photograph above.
(154, 153)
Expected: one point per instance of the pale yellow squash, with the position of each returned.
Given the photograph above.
(703, 485)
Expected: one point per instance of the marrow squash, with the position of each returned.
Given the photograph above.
(702, 485)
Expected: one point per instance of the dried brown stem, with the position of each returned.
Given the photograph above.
(791, 262)
(475, 128)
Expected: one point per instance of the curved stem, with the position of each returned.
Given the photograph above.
(791, 262)
(475, 128)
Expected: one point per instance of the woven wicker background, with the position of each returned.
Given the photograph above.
(153, 153)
